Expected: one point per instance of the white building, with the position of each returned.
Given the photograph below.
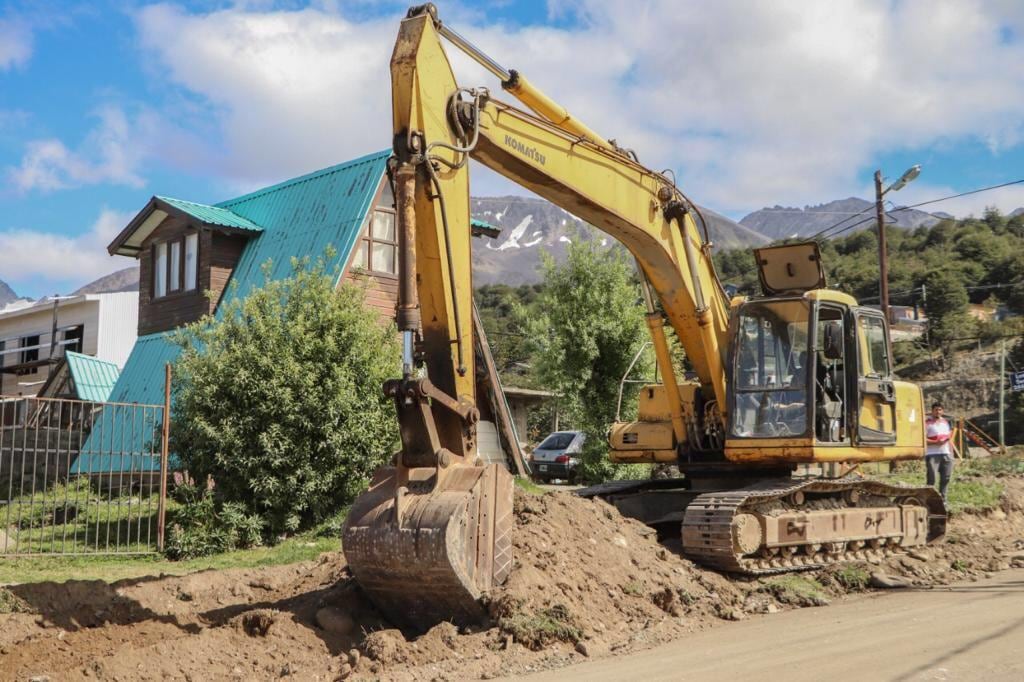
(34, 336)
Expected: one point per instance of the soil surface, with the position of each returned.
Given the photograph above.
(587, 583)
(969, 631)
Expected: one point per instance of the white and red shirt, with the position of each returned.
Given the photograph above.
(937, 432)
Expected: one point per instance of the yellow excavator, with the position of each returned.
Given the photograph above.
(799, 376)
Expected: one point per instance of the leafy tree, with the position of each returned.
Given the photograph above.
(279, 399)
(497, 304)
(737, 267)
(588, 326)
(941, 233)
(946, 307)
(1010, 274)
(994, 218)
(981, 247)
(1015, 225)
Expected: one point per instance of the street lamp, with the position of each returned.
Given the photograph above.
(883, 257)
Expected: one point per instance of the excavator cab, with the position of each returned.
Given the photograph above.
(812, 376)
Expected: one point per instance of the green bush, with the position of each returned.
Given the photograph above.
(202, 524)
(279, 399)
(853, 577)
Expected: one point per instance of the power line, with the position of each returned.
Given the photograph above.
(834, 225)
(821, 234)
(962, 194)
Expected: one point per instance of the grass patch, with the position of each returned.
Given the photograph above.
(968, 491)
(1010, 465)
(632, 472)
(853, 577)
(110, 568)
(529, 486)
(633, 588)
(796, 589)
(79, 518)
(538, 629)
(959, 565)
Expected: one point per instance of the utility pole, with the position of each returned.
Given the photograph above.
(883, 251)
(1002, 398)
(883, 255)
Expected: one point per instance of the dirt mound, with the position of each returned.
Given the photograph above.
(586, 583)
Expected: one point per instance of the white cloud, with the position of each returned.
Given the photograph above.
(41, 258)
(15, 43)
(294, 90)
(753, 103)
(112, 152)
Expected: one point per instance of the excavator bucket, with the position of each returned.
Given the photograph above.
(425, 551)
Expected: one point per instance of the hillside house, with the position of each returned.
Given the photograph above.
(185, 249)
(35, 337)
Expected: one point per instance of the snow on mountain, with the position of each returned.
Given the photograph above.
(531, 225)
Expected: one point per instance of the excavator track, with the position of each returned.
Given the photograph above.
(777, 526)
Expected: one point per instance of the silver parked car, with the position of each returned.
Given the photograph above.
(557, 456)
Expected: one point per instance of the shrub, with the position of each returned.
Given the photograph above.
(279, 399)
(202, 524)
(853, 577)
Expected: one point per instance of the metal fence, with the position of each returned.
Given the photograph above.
(80, 477)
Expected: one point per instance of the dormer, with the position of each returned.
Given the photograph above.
(184, 250)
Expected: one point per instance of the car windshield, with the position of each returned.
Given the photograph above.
(557, 441)
(770, 394)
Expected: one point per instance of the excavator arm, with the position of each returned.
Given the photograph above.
(554, 155)
(433, 533)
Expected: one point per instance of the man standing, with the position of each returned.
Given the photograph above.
(939, 453)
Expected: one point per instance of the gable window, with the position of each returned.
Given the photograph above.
(175, 265)
(378, 245)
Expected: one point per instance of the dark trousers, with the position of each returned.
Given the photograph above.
(941, 467)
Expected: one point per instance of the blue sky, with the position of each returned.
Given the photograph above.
(792, 103)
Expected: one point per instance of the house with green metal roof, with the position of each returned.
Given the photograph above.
(188, 249)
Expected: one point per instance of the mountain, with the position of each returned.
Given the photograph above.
(7, 294)
(530, 226)
(122, 280)
(1017, 212)
(781, 222)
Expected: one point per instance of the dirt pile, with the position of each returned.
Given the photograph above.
(586, 583)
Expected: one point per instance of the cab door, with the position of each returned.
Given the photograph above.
(875, 390)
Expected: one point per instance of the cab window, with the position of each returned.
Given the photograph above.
(875, 353)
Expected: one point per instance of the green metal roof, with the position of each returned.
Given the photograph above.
(142, 379)
(302, 217)
(94, 378)
(482, 228)
(211, 215)
(115, 433)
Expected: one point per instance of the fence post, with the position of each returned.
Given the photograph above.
(164, 438)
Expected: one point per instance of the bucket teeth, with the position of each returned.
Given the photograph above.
(448, 546)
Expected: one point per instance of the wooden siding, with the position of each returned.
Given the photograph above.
(218, 255)
(381, 288)
(224, 254)
(381, 291)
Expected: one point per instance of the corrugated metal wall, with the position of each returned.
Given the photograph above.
(118, 325)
